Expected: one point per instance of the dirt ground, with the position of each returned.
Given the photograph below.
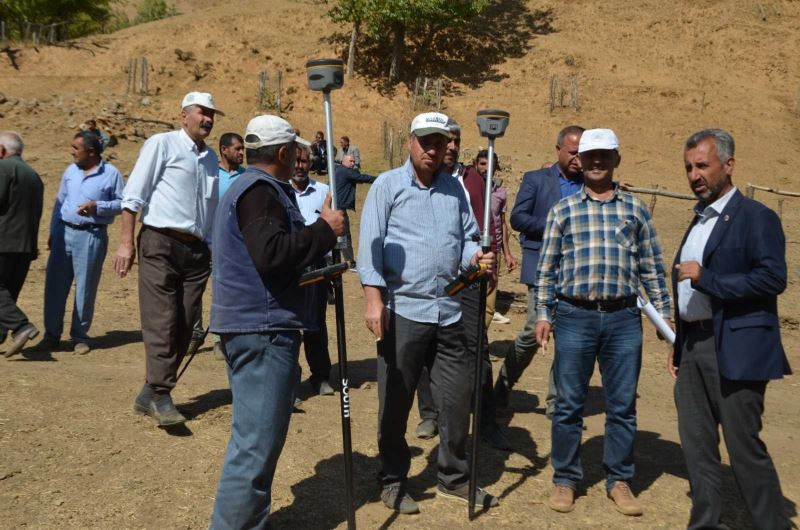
(73, 455)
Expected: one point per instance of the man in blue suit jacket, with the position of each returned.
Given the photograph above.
(729, 271)
(539, 191)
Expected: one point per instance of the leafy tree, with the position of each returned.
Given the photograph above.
(150, 10)
(83, 16)
(398, 18)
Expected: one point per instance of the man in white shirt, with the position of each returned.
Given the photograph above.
(310, 196)
(174, 186)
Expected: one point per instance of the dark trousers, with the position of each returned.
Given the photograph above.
(705, 400)
(13, 271)
(469, 318)
(406, 348)
(347, 252)
(315, 343)
(172, 278)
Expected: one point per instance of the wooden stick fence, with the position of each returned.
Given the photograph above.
(137, 76)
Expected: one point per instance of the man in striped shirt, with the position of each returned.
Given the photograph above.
(599, 245)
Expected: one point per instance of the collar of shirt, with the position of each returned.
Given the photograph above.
(235, 173)
(190, 143)
(412, 176)
(98, 170)
(716, 207)
(615, 195)
(310, 188)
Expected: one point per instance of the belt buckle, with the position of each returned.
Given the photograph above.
(602, 307)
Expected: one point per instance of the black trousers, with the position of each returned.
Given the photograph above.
(705, 401)
(315, 343)
(469, 317)
(172, 278)
(405, 349)
(13, 271)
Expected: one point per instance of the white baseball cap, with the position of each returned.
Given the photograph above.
(270, 130)
(203, 99)
(430, 123)
(592, 139)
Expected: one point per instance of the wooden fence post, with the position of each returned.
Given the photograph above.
(439, 95)
(143, 77)
(2, 30)
(279, 79)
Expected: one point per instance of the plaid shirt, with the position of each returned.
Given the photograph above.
(600, 250)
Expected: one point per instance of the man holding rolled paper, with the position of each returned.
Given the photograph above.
(728, 274)
(599, 247)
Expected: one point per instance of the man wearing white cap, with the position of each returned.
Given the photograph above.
(417, 229)
(261, 247)
(173, 186)
(599, 246)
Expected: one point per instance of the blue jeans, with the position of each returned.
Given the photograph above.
(74, 255)
(262, 370)
(614, 339)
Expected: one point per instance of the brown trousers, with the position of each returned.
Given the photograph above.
(172, 278)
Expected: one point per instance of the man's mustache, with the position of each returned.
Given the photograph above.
(206, 125)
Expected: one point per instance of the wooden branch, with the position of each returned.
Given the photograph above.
(73, 46)
(664, 193)
(774, 190)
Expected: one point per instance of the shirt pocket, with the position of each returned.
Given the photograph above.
(626, 235)
(212, 187)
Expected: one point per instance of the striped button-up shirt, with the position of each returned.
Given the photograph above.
(413, 240)
(600, 250)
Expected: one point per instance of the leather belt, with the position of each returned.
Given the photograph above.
(603, 306)
(86, 226)
(699, 326)
(183, 237)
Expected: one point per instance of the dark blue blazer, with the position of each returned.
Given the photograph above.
(539, 191)
(744, 272)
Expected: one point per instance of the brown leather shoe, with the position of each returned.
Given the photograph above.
(624, 500)
(562, 499)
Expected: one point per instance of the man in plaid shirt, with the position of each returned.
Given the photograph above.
(599, 245)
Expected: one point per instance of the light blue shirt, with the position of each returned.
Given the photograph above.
(104, 186)
(413, 241)
(227, 177)
(310, 200)
(694, 305)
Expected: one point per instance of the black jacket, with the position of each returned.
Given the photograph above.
(21, 197)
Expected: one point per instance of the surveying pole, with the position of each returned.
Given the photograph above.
(491, 124)
(325, 75)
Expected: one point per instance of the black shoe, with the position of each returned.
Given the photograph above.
(493, 436)
(159, 407)
(195, 344)
(483, 499)
(502, 392)
(427, 429)
(395, 498)
(20, 338)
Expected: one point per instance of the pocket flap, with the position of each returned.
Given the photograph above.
(756, 321)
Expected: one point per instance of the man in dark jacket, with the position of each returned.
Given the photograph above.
(347, 176)
(21, 197)
(729, 271)
(261, 246)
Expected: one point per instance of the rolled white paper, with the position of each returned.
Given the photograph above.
(657, 320)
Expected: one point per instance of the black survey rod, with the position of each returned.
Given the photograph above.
(325, 75)
(492, 124)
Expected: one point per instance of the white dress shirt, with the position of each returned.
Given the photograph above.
(694, 305)
(174, 184)
(311, 199)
